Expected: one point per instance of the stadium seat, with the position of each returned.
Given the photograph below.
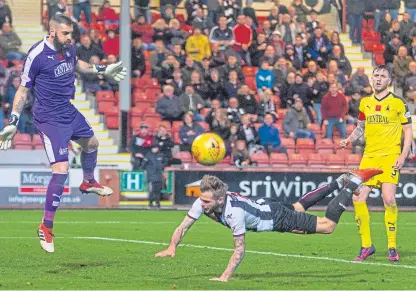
(350, 128)
(204, 125)
(335, 160)
(151, 112)
(38, 147)
(112, 121)
(251, 83)
(281, 113)
(316, 160)
(176, 138)
(226, 161)
(152, 122)
(104, 95)
(316, 128)
(325, 145)
(249, 71)
(152, 93)
(22, 139)
(176, 126)
(262, 159)
(305, 145)
(353, 160)
(298, 159)
(166, 124)
(185, 157)
(278, 160)
(23, 147)
(105, 105)
(289, 143)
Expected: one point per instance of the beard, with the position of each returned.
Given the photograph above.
(63, 48)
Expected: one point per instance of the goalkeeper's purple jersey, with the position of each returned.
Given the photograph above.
(51, 76)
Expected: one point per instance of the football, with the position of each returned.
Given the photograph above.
(208, 149)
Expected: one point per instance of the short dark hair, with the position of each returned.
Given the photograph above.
(382, 67)
(62, 19)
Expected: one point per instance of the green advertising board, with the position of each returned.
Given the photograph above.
(136, 182)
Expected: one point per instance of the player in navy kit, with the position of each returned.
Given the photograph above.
(242, 214)
(49, 71)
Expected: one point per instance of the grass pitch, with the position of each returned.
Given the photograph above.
(99, 249)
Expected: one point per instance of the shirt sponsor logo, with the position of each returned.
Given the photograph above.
(63, 69)
(377, 119)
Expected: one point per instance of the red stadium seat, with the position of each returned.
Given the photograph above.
(288, 143)
(23, 147)
(353, 160)
(325, 145)
(152, 122)
(22, 139)
(305, 145)
(176, 126)
(316, 128)
(298, 159)
(176, 138)
(166, 124)
(226, 161)
(262, 159)
(185, 157)
(151, 112)
(104, 95)
(38, 147)
(278, 160)
(112, 122)
(106, 105)
(249, 71)
(281, 113)
(335, 160)
(316, 160)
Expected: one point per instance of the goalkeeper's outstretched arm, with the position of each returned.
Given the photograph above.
(19, 101)
(115, 71)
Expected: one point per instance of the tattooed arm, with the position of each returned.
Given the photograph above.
(177, 237)
(236, 258)
(356, 134)
(19, 101)
(84, 67)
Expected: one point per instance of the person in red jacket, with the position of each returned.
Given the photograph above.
(242, 39)
(334, 108)
(111, 46)
(145, 31)
(140, 145)
(107, 14)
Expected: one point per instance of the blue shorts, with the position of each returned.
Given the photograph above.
(56, 136)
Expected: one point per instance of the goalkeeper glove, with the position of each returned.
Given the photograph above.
(7, 134)
(115, 71)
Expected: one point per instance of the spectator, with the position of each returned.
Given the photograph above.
(111, 46)
(355, 9)
(383, 7)
(189, 131)
(401, 66)
(87, 50)
(282, 8)
(299, 90)
(168, 14)
(60, 7)
(107, 14)
(213, 7)
(95, 39)
(266, 106)
(317, 91)
(257, 49)
(412, 49)
(233, 85)
(165, 3)
(394, 30)
(168, 105)
(274, 17)
(342, 61)
(277, 43)
(410, 80)
(221, 124)
(313, 22)
(233, 111)
(240, 155)
(191, 6)
(209, 118)
(270, 55)
(249, 11)
(410, 7)
(319, 47)
(178, 36)
(112, 59)
(270, 137)
(191, 102)
(265, 28)
(232, 66)
(81, 6)
(281, 70)
(140, 145)
(93, 82)
(51, 7)
(406, 26)
(166, 144)
(189, 68)
(138, 62)
(339, 75)
(200, 87)
(216, 87)
(284, 89)
(230, 8)
(243, 37)
(391, 50)
(353, 108)
(168, 67)
(178, 83)
(206, 69)
(10, 43)
(301, 11)
(234, 128)
(217, 56)
(179, 54)
(142, 9)
(264, 77)
(161, 31)
(202, 22)
(248, 133)
(297, 123)
(360, 83)
(222, 34)
(197, 45)
(154, 163)
(335, 40)
(300, 49)
(145, 31)
(5, 13)
(247, 102)
(291, 57)
(157, 57)
(334, 108)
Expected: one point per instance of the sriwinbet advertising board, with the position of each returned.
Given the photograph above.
(281, 186)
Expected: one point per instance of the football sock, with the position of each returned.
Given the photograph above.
(362, 217)
(53, 197)
(88, 163)
(310, 199)
(338, 205)
(390, 219)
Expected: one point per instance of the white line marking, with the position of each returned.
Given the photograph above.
(227, 250)
(254, 252)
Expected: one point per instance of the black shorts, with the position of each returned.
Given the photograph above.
(289, 220)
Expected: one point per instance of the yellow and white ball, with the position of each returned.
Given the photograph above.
(208, 149)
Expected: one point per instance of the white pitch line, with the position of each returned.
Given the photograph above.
(255, 252)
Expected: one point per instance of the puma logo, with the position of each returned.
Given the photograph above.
(50, 57)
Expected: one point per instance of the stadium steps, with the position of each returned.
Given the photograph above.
(355, 55)
(108, 150)
(25, 12)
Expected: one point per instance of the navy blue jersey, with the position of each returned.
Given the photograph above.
(51, 76)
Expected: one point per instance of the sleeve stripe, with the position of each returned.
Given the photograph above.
(191, 217)
(29, 61)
